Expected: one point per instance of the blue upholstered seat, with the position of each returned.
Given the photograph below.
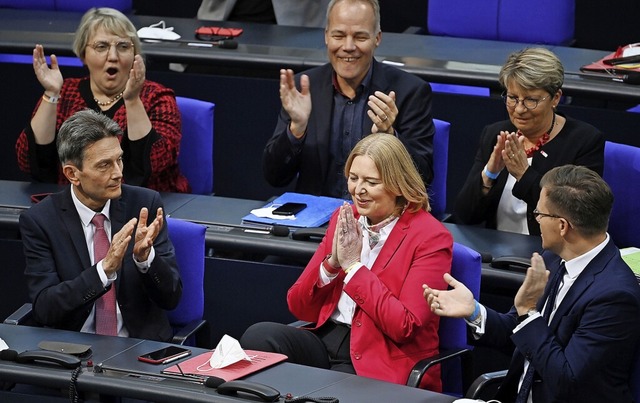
(67, 5)
(549, 22)
(622, 173)
(455, 352)
(188, 241)
(196, 147)
(438, 187)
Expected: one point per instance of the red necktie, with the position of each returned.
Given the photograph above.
(106, 315)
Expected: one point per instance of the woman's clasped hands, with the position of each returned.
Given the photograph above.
(347, 239)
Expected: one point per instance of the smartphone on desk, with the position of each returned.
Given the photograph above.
(165, 355)
(290, 208)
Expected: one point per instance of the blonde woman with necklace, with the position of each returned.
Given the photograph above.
(362, 287)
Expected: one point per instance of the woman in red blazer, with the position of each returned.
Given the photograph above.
(362, 288)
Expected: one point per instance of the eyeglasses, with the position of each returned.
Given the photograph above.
(528, 103)
(538, 214)
(102, 47)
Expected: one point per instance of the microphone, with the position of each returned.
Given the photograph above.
(279, 230)
(8, 355)
(631, 78)
(226, 44)
(222, 44)
(213, 382)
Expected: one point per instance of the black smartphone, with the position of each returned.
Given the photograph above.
(289, 208)
(165, 355)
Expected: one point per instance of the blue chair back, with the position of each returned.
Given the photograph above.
(622, 173)
(466, 267)
(547, 21)
(196, 148)
(67, 5)
(188, 241)
(438, 187)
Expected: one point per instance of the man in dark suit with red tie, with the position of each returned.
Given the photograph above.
(576, 328)
(69, 278)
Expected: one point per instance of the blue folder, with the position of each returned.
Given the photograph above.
(316, 214)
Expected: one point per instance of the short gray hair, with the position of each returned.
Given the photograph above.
(373, 3)
(112, 21)
(82, 129)
(533, 68)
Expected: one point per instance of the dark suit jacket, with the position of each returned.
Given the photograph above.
(588, 350)
(63, 284)
(414, 125)
(577, 143)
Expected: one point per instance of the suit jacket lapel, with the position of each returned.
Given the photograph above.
(73, 225)
(392, 243)
(583, 282)
(323, 109)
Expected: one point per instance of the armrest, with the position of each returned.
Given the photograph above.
(199, 329)
(421, 367)
(478, 387)
(21, 316)
(511, 262)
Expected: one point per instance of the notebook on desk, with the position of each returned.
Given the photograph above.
(199, 365)
(317, 213)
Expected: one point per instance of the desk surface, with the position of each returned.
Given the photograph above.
(271, 47)
(223, 218)
(144, 381)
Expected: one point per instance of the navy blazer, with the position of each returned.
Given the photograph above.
(587, 352)
(63, 284)
(281, 164)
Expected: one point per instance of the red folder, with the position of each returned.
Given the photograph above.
(606, 66)
(259, 360)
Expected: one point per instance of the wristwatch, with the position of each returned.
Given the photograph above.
(529, 313)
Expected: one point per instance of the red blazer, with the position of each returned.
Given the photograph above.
(392, 326)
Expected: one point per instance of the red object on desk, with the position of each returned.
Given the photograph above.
(259, 360)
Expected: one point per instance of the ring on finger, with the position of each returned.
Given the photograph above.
(385, 117)
(512, 155)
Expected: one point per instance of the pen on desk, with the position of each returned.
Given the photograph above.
(177, 357)
(200, 44)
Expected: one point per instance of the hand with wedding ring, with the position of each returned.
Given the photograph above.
(136, 79)
(515, 156)
(457, 302)
(349, 236)
(383, 111)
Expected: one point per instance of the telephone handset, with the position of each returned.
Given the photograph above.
(62, 359)
(264, 392)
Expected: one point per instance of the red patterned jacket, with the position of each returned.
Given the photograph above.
(150, 162)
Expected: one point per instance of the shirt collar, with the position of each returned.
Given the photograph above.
(576, 265)
(85, 213)
(364, 85)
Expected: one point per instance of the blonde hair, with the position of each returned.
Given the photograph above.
(112, 20)
(397, 170)
(533, 68)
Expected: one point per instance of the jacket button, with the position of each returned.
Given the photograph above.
(357, 356)
(358, 323)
